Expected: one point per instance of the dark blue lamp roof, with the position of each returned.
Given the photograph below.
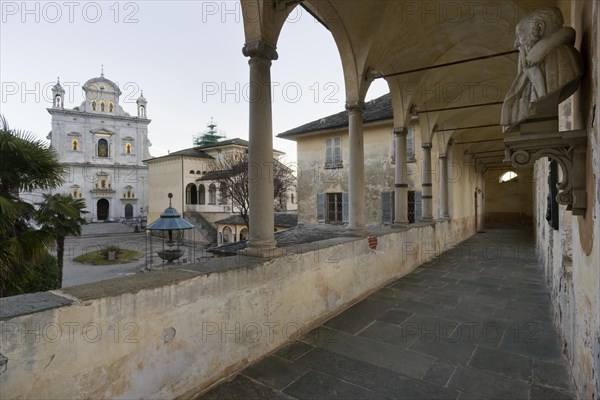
(169, 220)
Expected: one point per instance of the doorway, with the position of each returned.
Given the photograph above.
(102, 209)
(128, 211)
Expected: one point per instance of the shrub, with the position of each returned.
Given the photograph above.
(38, 277)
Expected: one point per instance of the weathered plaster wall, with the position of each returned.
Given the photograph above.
(509, 202)
(161, 183)
(172, 333)
(571, 255)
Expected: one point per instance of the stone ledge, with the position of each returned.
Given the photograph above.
(128, 284)
(30, 303)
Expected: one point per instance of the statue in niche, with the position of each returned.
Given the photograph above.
(549, 69)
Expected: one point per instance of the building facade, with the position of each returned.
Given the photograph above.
(102, 148)
(191, 176)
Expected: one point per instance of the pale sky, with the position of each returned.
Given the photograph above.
(185, 55)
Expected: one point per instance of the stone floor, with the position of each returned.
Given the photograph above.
(474, 323)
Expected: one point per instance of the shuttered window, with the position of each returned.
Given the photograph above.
(415, 206)
(387, 207)
(332, 207)
(333, 153)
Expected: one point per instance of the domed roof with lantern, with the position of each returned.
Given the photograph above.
(101, 84)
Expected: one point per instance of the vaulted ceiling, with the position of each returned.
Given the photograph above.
(404, 42)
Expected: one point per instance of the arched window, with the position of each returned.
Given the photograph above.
(102, 105)
(94, 105)
(128, 148)
(191, 194)
(75, 193)
(201, 194)
(508, 176)
(292, 198)
(198, 172)
(57, 100)
(244, 234)
(192, 172)
(74, 145)
(223, 193)
(212, 194)
(111, 107)
(102, 148)
(142, 111)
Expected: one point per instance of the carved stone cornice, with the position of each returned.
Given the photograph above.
(355, 105)
(260, 49)
(568, 149)
(401, 130)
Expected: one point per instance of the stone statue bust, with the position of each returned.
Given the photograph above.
(549, 69)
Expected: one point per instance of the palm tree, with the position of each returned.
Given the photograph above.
(26, 164)
(60, 216)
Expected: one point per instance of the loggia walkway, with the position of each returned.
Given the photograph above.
(474, 323)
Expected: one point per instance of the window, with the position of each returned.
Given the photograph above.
(201, 194)
(292, 198)
(224, 194)
(410, 144)
(333, 153)
(142, 111)
(102, 148)
(75, 193)
(102, 105)
(415, 206)
(332, 207)
(128, 193)
(508, 176)
(191, 194)
(111, 107)
(387, 207)
(212, 194)
(94, 105)
(192, 172)
(75, 145)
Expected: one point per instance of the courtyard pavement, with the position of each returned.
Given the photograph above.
(474, 323)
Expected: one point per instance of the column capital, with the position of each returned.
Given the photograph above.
(426, 146)
(260, 49)
(400, 130)
(355, 105)
(443, 155)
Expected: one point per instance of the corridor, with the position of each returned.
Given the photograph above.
(475, 322)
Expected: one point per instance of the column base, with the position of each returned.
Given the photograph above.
(400, 225)
(265, 249)
(444, 218)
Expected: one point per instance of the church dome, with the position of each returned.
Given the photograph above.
(102, 84)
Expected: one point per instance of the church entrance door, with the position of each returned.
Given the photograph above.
(102, 209)
(128, 211)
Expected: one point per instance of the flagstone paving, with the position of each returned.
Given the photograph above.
(474, 323)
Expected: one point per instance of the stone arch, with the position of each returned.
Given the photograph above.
(191, 194)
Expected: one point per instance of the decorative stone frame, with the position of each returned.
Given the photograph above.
(568, 148)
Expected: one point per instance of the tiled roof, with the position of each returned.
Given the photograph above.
(376, 110)
(191, 152)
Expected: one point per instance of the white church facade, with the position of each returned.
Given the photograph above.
(102, 148)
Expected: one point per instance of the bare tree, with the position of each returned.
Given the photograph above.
(232, 172)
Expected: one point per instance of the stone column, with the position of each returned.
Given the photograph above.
(401, 187)
(426, 183)
(443, 186)
(356, 171)
(261, 241)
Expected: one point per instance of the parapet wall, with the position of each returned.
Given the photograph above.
(173, 333)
